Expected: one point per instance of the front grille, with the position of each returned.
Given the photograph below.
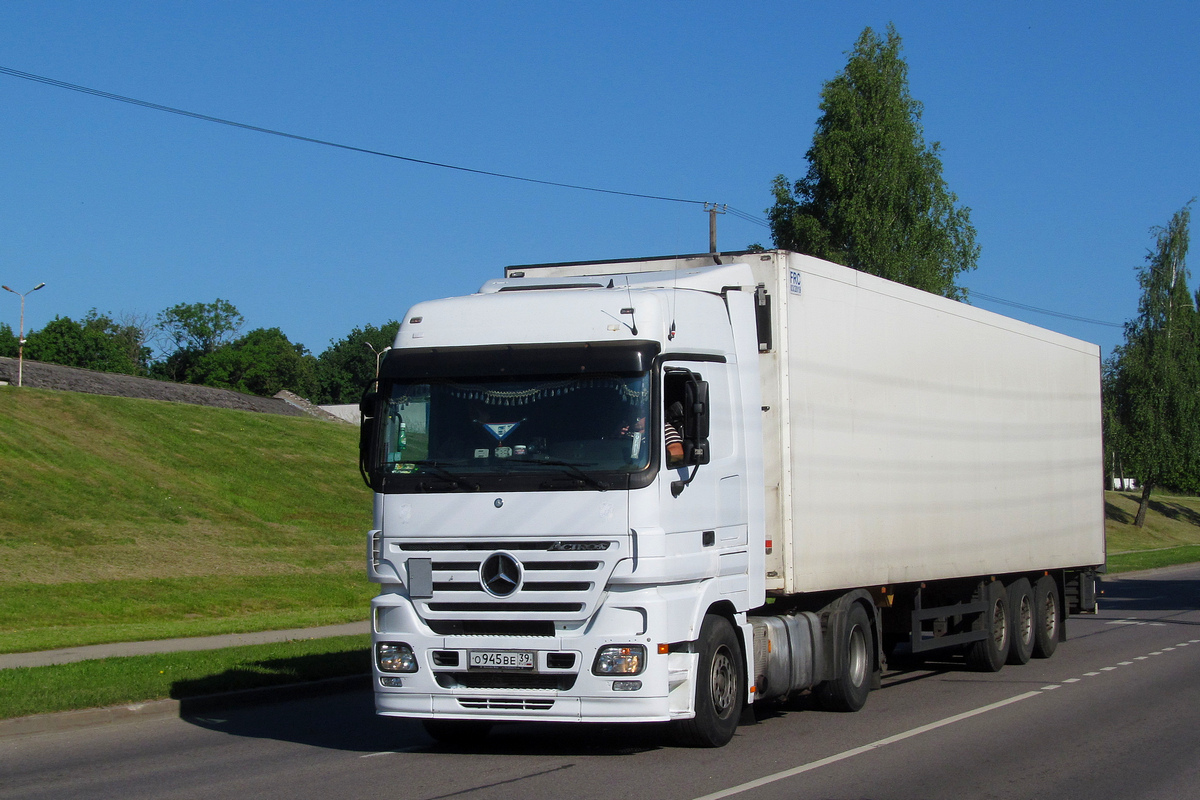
(507, 703)
(483, 608)
(557, 547)
(529, 586)
(574, 572)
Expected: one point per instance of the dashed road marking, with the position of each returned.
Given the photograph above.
(778, 776)
(866, 748)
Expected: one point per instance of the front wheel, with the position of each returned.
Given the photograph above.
(719, 687)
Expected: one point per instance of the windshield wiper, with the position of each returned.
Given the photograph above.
(438, 468)
(570, 468)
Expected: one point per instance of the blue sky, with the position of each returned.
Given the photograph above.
(1069, 129)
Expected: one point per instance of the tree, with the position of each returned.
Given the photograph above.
(202, 327)
(1153, 380)
(194, 329)
(262, 362)
(139, 333)
(96, 343)
(873, 197)
(8, 341)
(344, 370)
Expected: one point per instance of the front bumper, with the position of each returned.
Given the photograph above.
(561, 686)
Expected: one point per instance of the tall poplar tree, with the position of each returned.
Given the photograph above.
(1153, 380)
(874, 198)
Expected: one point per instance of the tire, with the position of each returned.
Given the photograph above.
(1022, 621)
(1047, 617)
(457, 732)
(855, 647)
(720, 687)
(990, 653)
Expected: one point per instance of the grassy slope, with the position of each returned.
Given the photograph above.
(126, 519)
(1171, 534)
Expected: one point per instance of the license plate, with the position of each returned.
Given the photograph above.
(500, 659)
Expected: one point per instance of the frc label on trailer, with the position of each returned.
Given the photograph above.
(794, 281)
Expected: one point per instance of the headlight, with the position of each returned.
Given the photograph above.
(620, 659)
(395, 657)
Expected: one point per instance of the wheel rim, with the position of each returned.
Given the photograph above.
(1050, 609)
(723, 681)
(1025, 619)
(856, 656)
(999, 625)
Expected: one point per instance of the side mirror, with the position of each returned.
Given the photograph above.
(368, 440)
(696, 421)
(368, 406)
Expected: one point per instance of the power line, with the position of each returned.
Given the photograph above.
(1035, 309)
(748, 217)
(311, 140)
(29, 76)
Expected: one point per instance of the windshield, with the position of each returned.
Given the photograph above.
(568, 426)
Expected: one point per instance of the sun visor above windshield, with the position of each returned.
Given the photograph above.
(565, 358)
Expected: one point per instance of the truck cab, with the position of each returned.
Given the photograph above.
(539, 553)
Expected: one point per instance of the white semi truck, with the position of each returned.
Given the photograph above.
(866, 467)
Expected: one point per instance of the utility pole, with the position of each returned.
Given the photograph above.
(21, 335)
(712, 209)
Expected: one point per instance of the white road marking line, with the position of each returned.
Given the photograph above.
(866, 748)
(1124, 663)
(1107, 669)
(1072, 680)
(1091, 674)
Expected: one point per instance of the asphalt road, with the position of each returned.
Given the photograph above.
(1115, 714)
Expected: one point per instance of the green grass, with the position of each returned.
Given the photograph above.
(132, 679)
(48, 616)
(130, 519)
(1170, 536)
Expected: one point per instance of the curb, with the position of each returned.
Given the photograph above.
(68, 655)
(89, 717)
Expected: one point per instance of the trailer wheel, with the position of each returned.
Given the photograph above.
(848, 690)
(1022, 617)
(457, 732)
(1047, 617)
(990, 653)
(719, 687)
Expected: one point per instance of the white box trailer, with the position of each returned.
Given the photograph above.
(908, 437)
(889, 467)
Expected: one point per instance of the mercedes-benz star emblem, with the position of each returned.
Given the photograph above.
(500, 574)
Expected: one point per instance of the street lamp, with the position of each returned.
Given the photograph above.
(378, 355)
(21, 336)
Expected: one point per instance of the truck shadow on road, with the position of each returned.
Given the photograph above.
(347, 721)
